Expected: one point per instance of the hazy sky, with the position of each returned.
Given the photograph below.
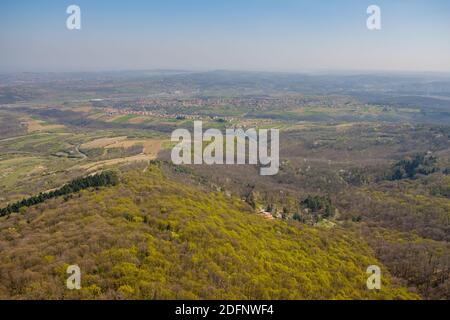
(270, 35)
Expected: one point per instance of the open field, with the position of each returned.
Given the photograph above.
(95, 166)
(102, 142)
(46, 154)
(34, 125)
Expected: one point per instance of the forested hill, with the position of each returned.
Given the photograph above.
(152, 237)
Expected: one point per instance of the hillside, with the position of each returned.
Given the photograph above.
(152, 237)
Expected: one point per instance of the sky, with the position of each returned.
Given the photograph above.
(253, 35)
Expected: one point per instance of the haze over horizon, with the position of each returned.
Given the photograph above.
(200, 35)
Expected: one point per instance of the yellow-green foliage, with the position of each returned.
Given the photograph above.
(153, 238)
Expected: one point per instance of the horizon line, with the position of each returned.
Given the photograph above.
(212, 70)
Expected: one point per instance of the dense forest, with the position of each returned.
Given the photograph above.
(163, 234)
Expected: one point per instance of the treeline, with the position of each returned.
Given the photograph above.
(107, 178)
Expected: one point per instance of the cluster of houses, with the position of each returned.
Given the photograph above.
(113, 112)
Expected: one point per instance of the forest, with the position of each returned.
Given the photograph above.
(178, 241)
